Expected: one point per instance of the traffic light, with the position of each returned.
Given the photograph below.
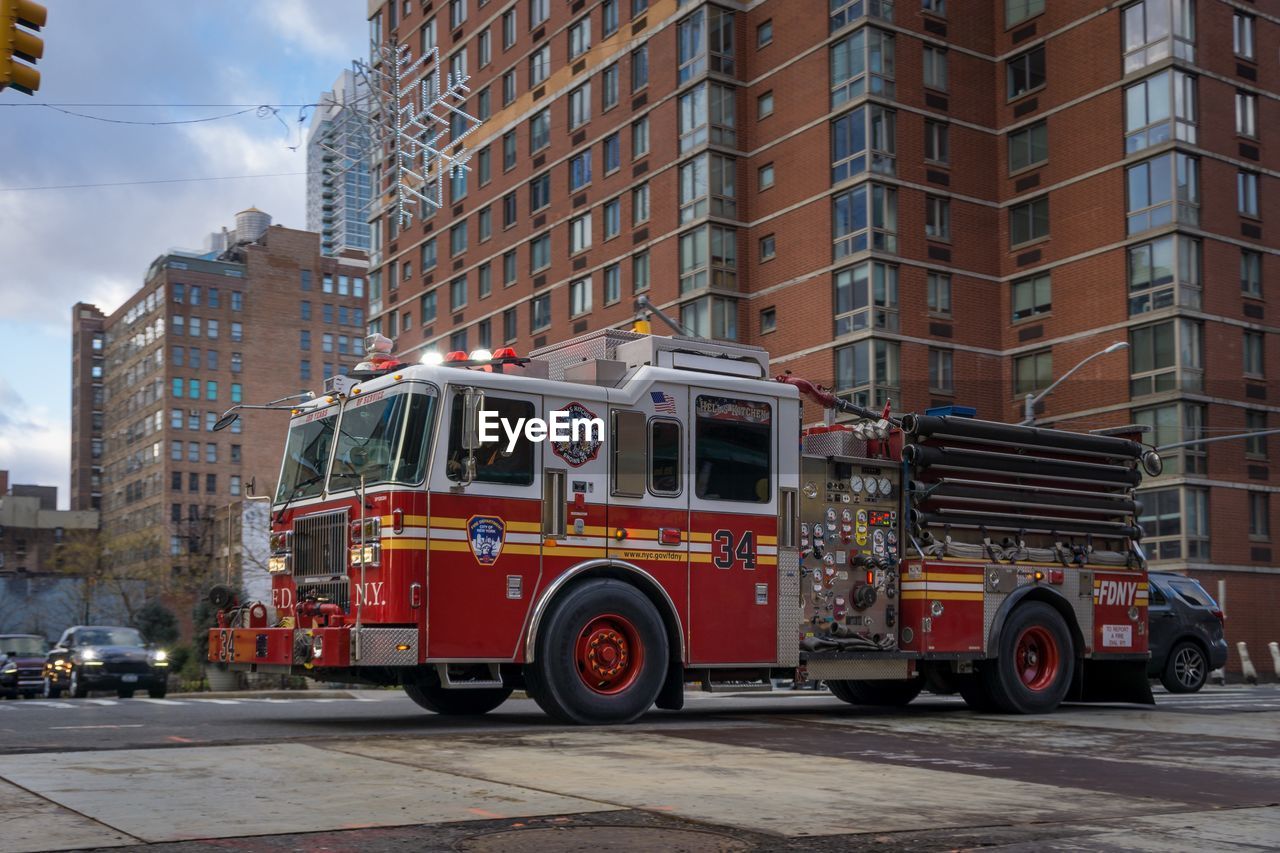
(18, 44)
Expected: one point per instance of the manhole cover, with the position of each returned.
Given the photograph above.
(601, 839)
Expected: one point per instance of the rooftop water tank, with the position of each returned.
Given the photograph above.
(251, 224)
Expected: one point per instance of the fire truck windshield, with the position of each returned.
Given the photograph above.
(306, 457)
(383, 440)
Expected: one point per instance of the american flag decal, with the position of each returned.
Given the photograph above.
(663, 402)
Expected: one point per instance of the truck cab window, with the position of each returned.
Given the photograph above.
(493, 463)
(664, 457)
(732, 443)
(381, 440)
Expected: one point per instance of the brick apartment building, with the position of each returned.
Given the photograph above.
(268, 317)
(921, 201)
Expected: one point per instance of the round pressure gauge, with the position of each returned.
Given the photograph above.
(885, 486)
(855, 484)
(872, 486)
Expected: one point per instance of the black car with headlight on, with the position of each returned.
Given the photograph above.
(92, 657)
(21, 664)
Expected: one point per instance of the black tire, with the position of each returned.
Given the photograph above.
(894, 693)
(51, 691)
(157, 692)
(1034, 663)
(974, 692)
(30, 695)
(1186, 669)
(124, 694)
(428, 693)
(75, 688)
(601, 655)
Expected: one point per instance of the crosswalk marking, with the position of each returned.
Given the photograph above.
(216, 701)
(160, 701)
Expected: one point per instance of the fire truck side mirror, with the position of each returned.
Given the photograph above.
(472, 403)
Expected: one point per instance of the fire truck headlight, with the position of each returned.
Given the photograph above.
(278, 565)
(280, 542)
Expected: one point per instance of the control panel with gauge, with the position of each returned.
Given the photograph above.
(849, 526)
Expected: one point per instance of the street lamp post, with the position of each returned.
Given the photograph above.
(1029, 410)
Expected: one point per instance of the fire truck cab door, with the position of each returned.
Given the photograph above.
(733, 453)
(484, 537)
(648, 523)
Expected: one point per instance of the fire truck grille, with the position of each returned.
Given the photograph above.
(320, 545)
(338, 592)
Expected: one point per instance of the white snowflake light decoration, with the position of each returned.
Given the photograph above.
(405, 119)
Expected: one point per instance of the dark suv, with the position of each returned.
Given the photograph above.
(90, 657)
(21, 664)
(1187, 641)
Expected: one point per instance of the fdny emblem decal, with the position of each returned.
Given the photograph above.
(485, 535)
(583, 445)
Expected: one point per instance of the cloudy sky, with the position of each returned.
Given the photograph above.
(61, 246)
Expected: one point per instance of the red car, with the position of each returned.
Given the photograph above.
(22, 664)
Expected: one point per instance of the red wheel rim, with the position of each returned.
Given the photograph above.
(609, 654)
(1036, 658)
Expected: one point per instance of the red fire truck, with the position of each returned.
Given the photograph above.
(691, 530)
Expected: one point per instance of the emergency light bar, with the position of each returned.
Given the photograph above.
(477, 358)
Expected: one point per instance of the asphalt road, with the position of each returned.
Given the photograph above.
(787, 770)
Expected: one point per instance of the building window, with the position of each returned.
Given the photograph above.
(938, 293)
(509, 268)
(458, 238)
(704, 40)
(612, 284)
(851, 135)
(427, 307)
(1031, 296)
(509, 326)
(304, 339)
(640, 204)
(580, 233)
(1175, 523)
(1259, 511)
(540, 252)
(768, 247)
(580, 170)
(764, 105)
(935, 68)
(941, 379)
(509, 28)
(1033, 372)
(458, 293)
(936, 144)
(484, 48)
(865, 217)
(539, 132)
(711, 317)
(429, 255)
(237, 362)
(1017, 11)
(1246, 114)
(845, 12)
(1154, 29)
(1242, 35)
(1164, 272)
(1254, 360)
(609, 87)
(540, 312)
(707, 115)
(764, 33)
(1029, 221)
(484, 164)
(1028, 147)
(457, 13)
(867, 372)
(612, 210)
(709, 257)
(508, 87)
(937, 218)
(1025, 73)
(1255, 446)
(639, 68)
(639, 138)
(866, 297)
(1171, 424)
(579, 297)
(612, 153)
(579, 37)
(608, 18)
(1246, 194)
(237, 332)
(768, 320)
(580, 106)
(539, 192)
(1153, 186)
(1251, 273)
(1165, 357)
(707, 186)
(1158, 109)
(211, 390)
(458, 341)
(539, 11)
(640, 272)
(862, 62)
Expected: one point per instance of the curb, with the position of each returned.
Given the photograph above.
(267, 694)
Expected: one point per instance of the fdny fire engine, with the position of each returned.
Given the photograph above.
(691, 531)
